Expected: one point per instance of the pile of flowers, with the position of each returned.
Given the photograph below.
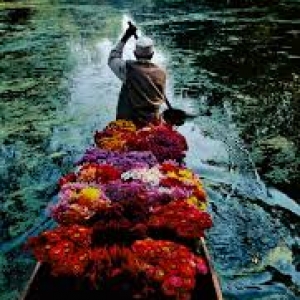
(180, 219)
(146, 268)
(183, 178)
(127, 214)
(162, 140)
(115, 135)
(95, 186)
(78, 202)
(65, 249)
(172, 265)
(124, 161)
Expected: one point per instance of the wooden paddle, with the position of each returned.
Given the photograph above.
(175, 116)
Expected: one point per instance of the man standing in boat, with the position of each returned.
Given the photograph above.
(144, 83)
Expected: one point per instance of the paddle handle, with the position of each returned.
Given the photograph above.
(131, 25)
(168, 103)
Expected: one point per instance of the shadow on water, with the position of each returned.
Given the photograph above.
(19, 16)
(56, 89)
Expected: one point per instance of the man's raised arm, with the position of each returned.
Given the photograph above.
(115, 61)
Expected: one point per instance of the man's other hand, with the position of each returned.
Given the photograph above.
(130, 31)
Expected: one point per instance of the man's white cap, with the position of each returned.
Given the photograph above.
(144, 47)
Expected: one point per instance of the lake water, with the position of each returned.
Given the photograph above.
(236, 65)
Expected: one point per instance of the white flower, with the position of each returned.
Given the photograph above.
(151, 176)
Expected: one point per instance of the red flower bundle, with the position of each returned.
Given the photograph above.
(168, 166)
(71, 177)
(173, 182)
(119, 271)
(172, 265)
(92, 172)
(162, 140)
(122, 223)
(180, 219)
(99, 173)
(65, 249)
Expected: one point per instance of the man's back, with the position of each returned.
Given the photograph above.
(144, 83)
(144, 87)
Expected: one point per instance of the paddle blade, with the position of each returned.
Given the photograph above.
(174, 116)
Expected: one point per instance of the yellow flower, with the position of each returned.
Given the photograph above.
(172, 175)
(184, 175)
(192, 200)
(199, 204)
(122, 124)
(90, 193)
(187, 174)
(199, 184)
(202, 205)
(111, 144)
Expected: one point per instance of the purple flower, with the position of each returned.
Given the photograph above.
(121, 160)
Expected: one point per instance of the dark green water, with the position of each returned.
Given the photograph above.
(235, 64)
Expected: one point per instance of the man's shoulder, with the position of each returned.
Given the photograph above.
(147, 63)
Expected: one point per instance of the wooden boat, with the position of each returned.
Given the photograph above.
(43, 286)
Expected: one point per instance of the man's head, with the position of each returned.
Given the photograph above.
(144, 48)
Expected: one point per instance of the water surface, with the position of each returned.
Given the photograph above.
(236, 66)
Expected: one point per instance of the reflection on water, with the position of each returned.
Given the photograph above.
(56, 89)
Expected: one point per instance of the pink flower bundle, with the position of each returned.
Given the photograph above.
(78, 202)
